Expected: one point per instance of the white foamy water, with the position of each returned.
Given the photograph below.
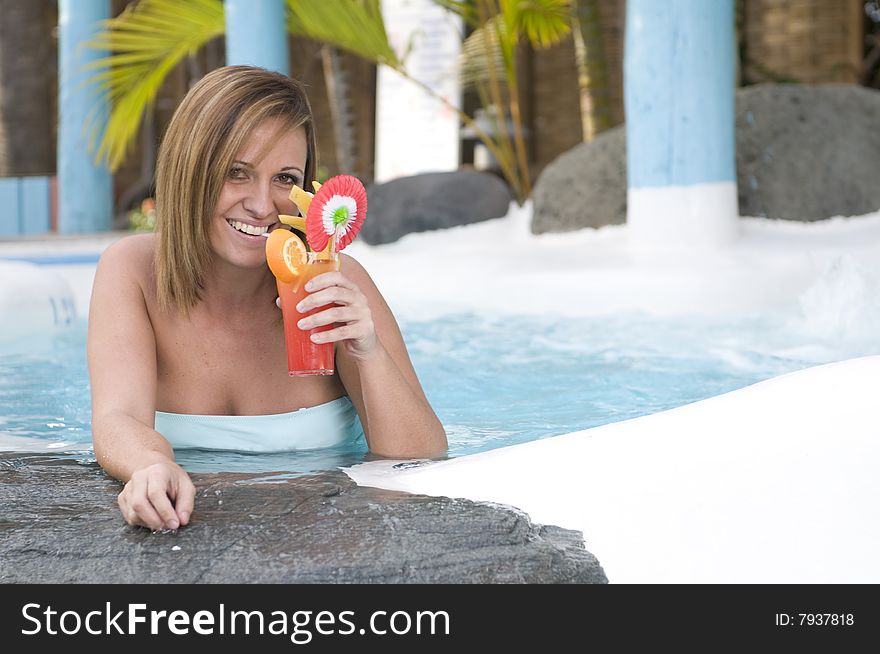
(843, 304)
(498, 266)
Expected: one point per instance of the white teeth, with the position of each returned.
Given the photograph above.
(248, 229)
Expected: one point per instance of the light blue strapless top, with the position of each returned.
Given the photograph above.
(331, 424)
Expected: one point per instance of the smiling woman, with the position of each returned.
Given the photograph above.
(184, 334)
(215, 165)
(257, 189)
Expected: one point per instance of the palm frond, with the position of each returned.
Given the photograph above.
(473, 60)
(146, 41)
(463, 8)
(544, 22)
(353, 25)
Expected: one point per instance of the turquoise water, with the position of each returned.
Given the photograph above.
(492, 381)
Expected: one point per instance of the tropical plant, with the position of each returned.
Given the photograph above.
(146, 40)
(150, 37)
(143, 218)
(593, 84)
(489, 65)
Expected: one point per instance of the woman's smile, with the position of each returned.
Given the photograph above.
(250, 232)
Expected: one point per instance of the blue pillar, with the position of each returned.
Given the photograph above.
(85, 189)
(679, 82)
(256, 34)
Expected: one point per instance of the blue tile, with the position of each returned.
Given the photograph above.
(34, 202)
(9, 206)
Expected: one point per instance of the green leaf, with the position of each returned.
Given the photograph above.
(463, 8)
(543, 22)
(353, 25)
(146, 41)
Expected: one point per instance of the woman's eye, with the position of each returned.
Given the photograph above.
(236, 172)
(289, 180)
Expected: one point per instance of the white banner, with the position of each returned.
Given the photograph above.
(416, 133)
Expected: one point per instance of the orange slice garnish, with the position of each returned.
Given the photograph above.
(285, 254)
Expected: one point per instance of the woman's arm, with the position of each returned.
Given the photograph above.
(374, 365)
(122, 370)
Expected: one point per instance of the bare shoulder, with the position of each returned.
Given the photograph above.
(382, 314)
(351, 266)
(130, 257)
(353, 269)
(125, 270)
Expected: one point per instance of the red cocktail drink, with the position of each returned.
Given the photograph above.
(330, 222)
(303, 356)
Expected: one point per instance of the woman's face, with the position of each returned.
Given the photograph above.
(255, 191)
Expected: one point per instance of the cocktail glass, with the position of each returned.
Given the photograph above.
(303, 356)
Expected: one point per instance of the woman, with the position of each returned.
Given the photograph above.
(184, 332)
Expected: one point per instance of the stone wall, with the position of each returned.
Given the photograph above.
(60, 524)
(807, 41)
(554, 98)
(28, 78)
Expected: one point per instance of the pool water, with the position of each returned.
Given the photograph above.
(493, 381)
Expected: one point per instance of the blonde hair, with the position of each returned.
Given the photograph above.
(207, 131)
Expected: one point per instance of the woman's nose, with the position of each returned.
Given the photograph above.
(258, 202)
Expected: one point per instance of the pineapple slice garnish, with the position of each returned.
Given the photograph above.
(303, 200)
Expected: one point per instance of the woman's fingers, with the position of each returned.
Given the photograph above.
(136, 507)
(328, 279)
(351, 332)
(332, 295)
(125, 510)
(332, 315)
(183, 503)
(158, 497)
(347, 309)
(157, 492)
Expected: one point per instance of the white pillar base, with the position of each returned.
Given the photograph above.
(682, 217)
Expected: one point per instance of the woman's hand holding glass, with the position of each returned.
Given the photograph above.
(348, 309)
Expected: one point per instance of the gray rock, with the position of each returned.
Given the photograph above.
(432, 201)
(60, 524)
(807, 152)
(803, 153)
(584, 187)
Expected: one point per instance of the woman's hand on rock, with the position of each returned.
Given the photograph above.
(159, 496)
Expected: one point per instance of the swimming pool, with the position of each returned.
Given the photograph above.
(516, 343)
(493, 380)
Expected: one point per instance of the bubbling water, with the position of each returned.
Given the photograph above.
(842, 308)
